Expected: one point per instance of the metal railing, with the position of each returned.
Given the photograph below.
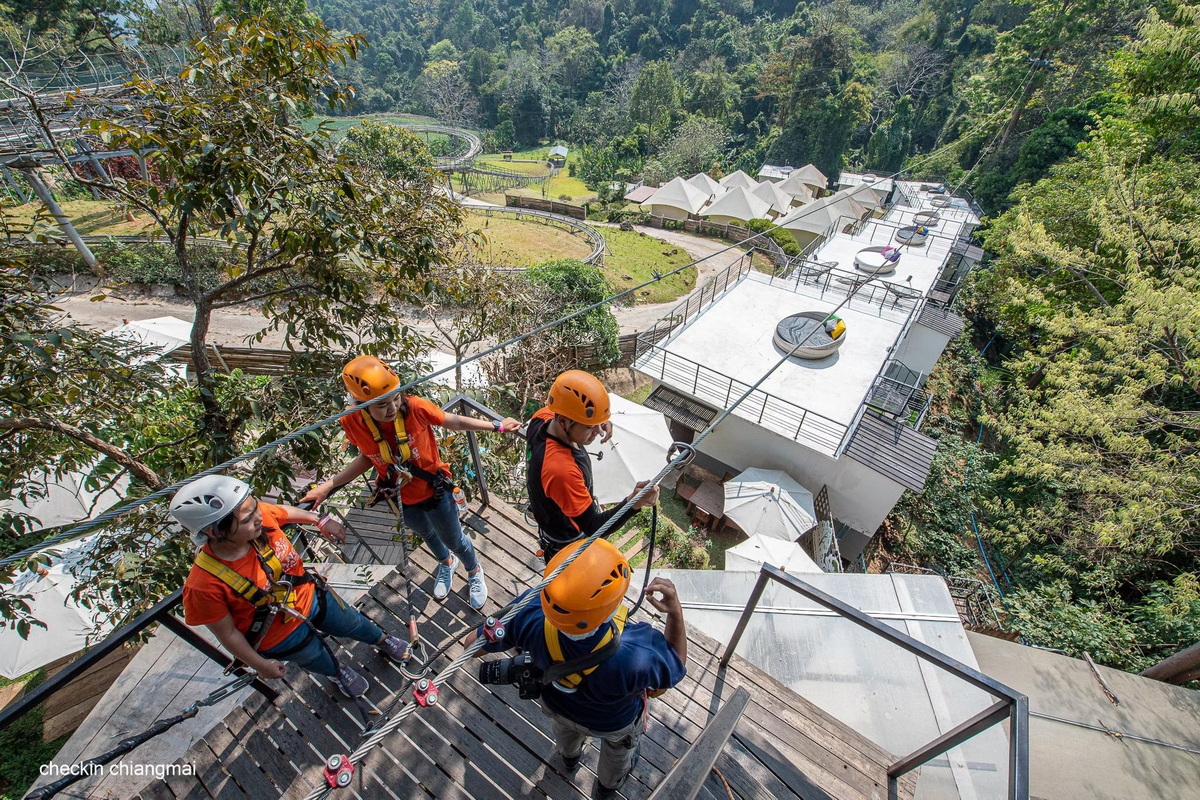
(691, 307)
(762, 408)
(163, 612)
(971, 596)
(1010, 705)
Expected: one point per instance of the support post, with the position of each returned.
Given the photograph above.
(64, 222)
(751, 604)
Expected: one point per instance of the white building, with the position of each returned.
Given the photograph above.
(847, 426)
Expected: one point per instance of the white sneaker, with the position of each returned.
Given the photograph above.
(443, 579)
(477, 590)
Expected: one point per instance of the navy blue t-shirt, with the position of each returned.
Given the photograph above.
(611, 697)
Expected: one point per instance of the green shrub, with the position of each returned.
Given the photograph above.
(780, 236)
(51, 259)
(628, 215)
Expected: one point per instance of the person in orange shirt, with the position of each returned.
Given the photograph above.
(559, 477)
(395, 436)
(250, 587)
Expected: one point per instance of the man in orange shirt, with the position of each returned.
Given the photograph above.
(249, 586)
(395, 436)
(559, 478)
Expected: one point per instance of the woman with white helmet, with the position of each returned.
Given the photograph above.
(249, 586)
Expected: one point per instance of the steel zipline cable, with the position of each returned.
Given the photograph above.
(679, 459)
(115, 513)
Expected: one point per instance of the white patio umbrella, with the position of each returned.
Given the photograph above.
(751, 554)
(636, 451)
(67, 624)
(65, 499)
(771, 503)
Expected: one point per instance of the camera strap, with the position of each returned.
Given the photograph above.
(569, 674)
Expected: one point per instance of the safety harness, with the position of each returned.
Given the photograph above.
(267, 602)
(385, 450)
(395, 477)
(567, 675)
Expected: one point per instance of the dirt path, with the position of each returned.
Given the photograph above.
(233, 326)
(638, 318)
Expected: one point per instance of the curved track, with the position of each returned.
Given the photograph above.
(595, 239)
(461, 160)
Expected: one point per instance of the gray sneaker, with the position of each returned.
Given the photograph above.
(394, 648)
(477, 590)
(350, 682)
(443, 578)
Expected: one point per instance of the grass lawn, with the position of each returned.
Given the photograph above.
(520, 243)
(632, 259)
(521, 167)
(90, 217)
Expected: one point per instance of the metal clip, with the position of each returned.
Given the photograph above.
(493, 631)
(339, 771)
(426, 693)
(681, 447)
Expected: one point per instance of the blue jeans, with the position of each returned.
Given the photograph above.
(440, 529)
(340, 620)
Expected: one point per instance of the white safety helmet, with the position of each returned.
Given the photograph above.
(206, 501)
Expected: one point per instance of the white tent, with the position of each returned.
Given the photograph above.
(813, 218)
(636, 451)
(849, 206)
(751, 554)
(737, 204)
(810, 176)
(771, 503)
(736, 179)
(798, 190)
(67, 624)
(779, 200)
(164, 334)
(65, 499)
(472, 374)
(704, 183)
(863, 195)
(675, 200)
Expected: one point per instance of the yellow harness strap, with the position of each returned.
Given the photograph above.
(244, 587)
(571, 682)
(385, 452)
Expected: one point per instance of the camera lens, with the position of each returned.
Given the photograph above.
(496, 672)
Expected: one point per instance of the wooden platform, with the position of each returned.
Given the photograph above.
(484, 742)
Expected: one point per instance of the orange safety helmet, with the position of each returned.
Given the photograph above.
(579, 397)
(586, 593)
(366, 378)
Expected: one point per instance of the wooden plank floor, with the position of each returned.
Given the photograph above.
(484, 742)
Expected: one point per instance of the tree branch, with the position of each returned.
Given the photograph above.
(143, 472)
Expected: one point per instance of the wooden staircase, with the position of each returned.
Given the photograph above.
(484, 742)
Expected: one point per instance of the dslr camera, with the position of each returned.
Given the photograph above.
(519, 671)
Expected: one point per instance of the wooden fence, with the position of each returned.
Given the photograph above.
(553, 206)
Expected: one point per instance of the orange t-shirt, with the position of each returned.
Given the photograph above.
(207, 598)
(418, 424)
(563, 481)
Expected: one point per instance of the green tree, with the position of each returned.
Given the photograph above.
(654, 101)
(574, 57)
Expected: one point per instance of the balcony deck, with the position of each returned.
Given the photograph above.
(483, 742)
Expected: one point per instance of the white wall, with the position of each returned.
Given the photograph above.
(858, 496)
(921, 348)
(670, 212)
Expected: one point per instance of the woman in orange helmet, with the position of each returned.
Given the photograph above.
(395, 436)
(559, 478)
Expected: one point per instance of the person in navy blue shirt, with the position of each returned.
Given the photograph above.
(583, 608)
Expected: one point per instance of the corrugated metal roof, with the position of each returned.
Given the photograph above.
(681, 408)
(942, 320)
(892, 449)
(558, 150)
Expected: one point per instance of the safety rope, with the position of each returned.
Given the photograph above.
(132, 742)
(387, 725)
